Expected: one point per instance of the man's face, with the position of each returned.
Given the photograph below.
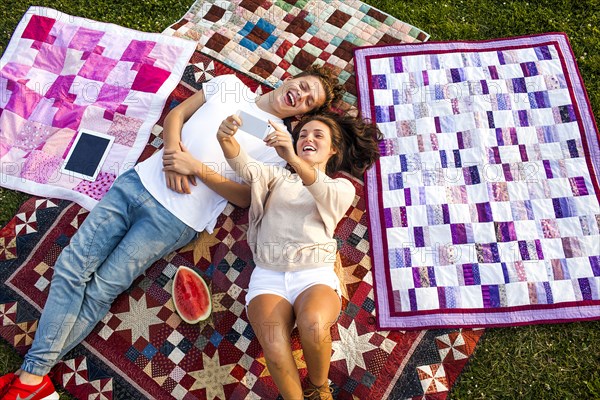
(297, 96)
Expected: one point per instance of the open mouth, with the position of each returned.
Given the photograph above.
(308, 148)
(290, 99)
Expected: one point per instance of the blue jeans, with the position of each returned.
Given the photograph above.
(123, 235)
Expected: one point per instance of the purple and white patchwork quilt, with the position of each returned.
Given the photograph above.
(62, 74)
(484, 208)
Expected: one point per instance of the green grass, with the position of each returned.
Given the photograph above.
(535, 362)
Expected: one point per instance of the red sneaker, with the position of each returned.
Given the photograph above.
(43, 391)
(5, 381)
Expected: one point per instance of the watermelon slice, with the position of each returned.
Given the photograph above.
(191, 296)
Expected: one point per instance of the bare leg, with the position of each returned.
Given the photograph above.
(29, 379)
(272, 318)
(317, 309)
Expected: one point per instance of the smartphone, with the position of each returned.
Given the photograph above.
(253, 125)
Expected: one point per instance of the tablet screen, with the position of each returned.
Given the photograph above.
(87, 155)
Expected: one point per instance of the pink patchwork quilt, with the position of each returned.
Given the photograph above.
(484, 208)
(62, 74)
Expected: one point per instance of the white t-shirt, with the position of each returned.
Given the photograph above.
(225, 95)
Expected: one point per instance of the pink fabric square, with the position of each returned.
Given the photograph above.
(14, 71)
(97, 67)
(23, 101)
(38, 28)
(98, 188)
(41, 167)
(50, 58)
(86, 39)
(125, 129)
(64, 33)
(149, 79)
(4, 148)
(137, 50)
(68, 115)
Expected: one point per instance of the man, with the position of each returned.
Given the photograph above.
(150, 212)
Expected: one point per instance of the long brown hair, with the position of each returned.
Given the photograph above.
(354, 139)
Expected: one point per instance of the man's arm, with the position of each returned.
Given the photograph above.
(184, 164)
(172, 137)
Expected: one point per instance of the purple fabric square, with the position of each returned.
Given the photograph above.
(379, 82)
(97, 67)
(68, 115)
(484, 212)
(543, 53)
(419, 236)
(60, 88)
(385, 113)
(595, 264)
(110, 97)
(398, 64)
(505, 231)
(529, 69)
(470, 274)
(459, 233)
(501, 59)
(85, 39)
(22, 101)
(395, 181)
(457, 74)
(137, 50)
(519, 85)
(484, 87)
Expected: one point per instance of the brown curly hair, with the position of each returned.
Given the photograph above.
(333, 89)
(355, 140)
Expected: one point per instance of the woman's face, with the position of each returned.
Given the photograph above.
(314, 143)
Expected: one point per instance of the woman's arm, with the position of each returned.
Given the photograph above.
(172, 137)
(281, 140)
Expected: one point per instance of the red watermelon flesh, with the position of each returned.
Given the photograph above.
(191, 296)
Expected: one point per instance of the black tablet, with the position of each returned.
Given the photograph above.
(87, 154)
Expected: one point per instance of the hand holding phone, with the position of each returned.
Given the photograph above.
(253, 125)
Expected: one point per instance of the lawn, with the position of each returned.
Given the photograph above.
(536, 362)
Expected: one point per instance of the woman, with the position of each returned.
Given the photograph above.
(293, 215)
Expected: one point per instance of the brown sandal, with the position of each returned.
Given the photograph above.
(323, 392)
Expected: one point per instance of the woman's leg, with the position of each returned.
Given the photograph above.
(317, 309)
(272, 318)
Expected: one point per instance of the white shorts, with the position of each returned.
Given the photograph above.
(290, 285)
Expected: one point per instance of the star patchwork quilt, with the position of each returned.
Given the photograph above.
(61, 75)
(484, 208)
(273, 40)
(142, 349)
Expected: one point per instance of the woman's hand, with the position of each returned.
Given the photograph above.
(281, 140)
(180, 168)
(229, 127)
